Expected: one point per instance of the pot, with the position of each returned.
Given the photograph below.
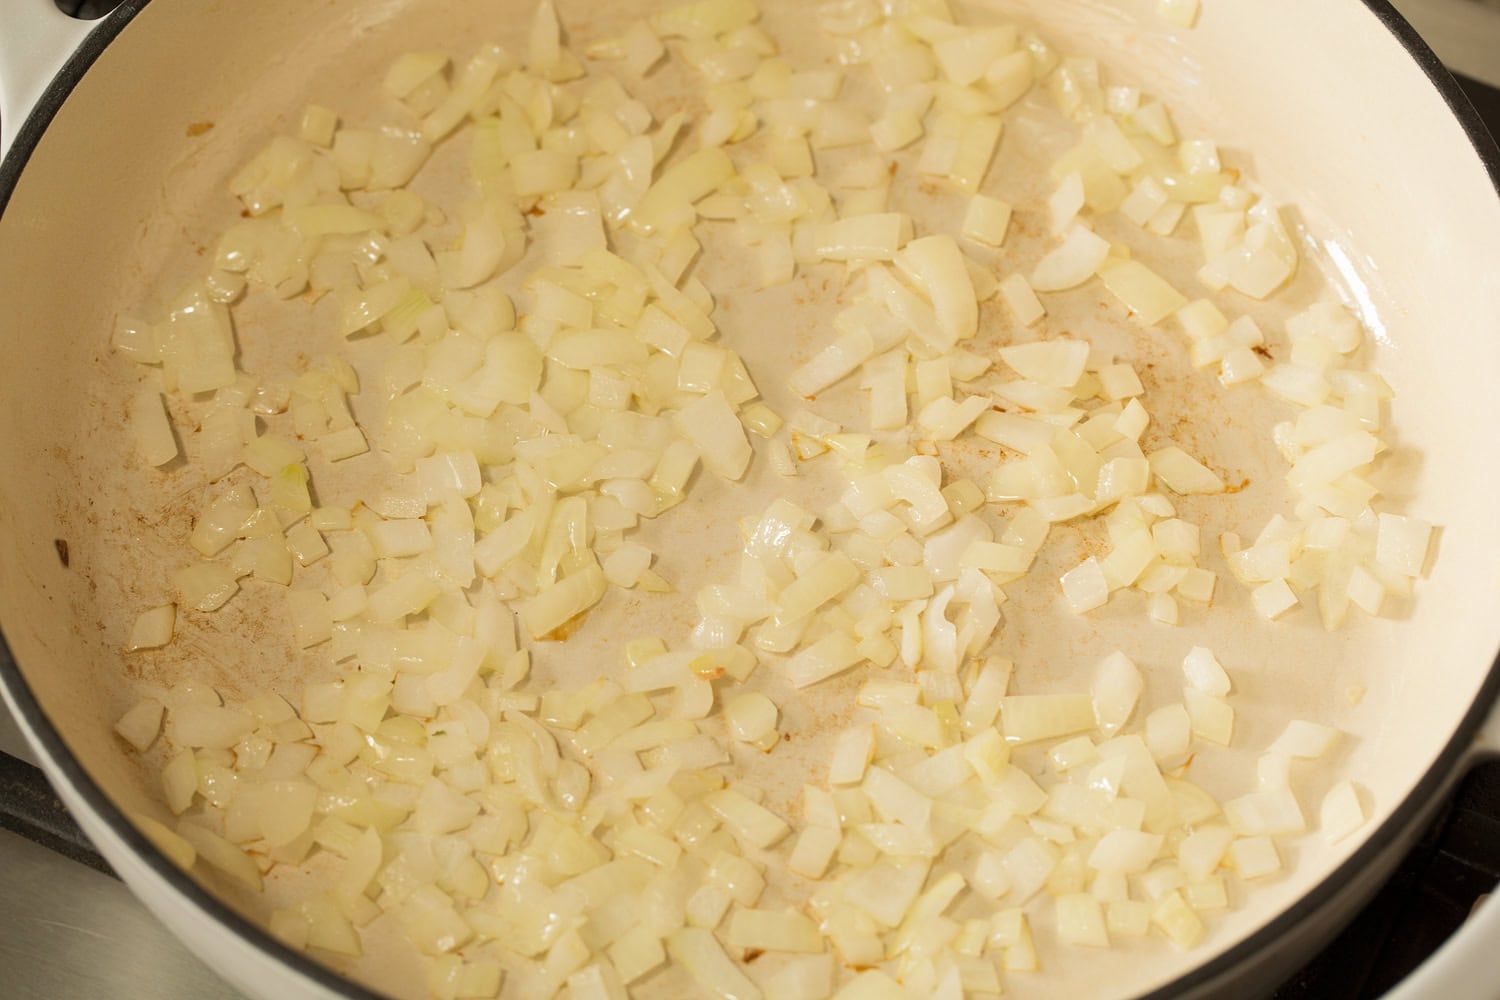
(114, 167)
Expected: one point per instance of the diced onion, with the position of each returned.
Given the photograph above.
(551, 375)
(1072, 263)
(153, 429)
(152, 629)
(1341, 812)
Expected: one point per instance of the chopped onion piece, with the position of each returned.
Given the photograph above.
(1066, 202)
(986, 220)
(1022, 301)
(1126, 851)
(1058, 363)
(1212, 718)
(1254, 857)
(1177, 920)
(1072, 263)
(1273, 598)
(1028, 718)
(1085, 587)
(711, 425)
(153, 428)
(1117, 686)
(205, 586)
(1202, 670)
(152, 630)
(561, 602)
(1182, 13)
(751, 717)
(699, 953)
(1274, 811)
(773, 931)
(1141, 290)
(1341, 813)
(935, 264)
(141, 723)
(829, 656)
(1168, 731)
(1184, 474)
(221, 854)
(863, 237)
(748, 820)
(1401, 544)
(636, 953)
(1304, 739)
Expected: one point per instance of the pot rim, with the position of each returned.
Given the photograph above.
(1387, 837)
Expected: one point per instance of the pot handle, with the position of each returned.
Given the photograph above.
(35, 44)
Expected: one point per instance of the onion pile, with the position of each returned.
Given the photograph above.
(537, 841)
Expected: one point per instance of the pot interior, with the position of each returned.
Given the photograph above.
(120, 202)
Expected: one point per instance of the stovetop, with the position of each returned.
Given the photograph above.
(70, 930)
(1466, 33)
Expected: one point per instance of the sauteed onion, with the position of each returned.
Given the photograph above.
(553, 376)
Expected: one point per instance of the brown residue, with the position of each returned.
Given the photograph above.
(751, 954)
(1235, 488)
(1093, 545)
(536, 211)
(1263, 351)
(61, 545)
(564, 631)
(198, 128)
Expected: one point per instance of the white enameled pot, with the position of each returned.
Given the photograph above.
(109, 175)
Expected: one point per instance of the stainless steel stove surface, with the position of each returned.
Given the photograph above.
(71, 931)
(1466, 33)
(68, 932)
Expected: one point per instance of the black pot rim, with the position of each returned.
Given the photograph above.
(1387, 837)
